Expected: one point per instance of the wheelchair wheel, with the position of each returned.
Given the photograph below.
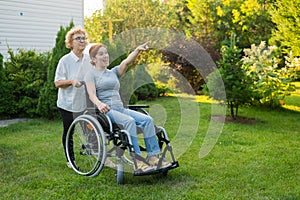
(85, 146)
(120, 174)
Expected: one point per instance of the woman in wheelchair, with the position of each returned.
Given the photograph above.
(103, 90)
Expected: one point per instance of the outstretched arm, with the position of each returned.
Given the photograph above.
(131, 57)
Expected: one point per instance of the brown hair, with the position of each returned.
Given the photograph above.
(71, 33)
(94, 50)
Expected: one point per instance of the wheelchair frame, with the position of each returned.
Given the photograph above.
(90, 134)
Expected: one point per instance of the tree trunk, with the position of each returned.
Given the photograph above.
(232, 110)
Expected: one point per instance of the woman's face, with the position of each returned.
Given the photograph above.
(102, 58)
(79, 42)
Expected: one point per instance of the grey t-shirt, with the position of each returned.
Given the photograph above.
(107, 85)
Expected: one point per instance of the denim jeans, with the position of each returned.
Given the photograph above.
(130, 120)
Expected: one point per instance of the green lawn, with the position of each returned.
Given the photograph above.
(249, 161)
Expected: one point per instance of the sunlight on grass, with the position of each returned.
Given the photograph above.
(197, 98)
(291, 107)
(297, 91)
(292, 102)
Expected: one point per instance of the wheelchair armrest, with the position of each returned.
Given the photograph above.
(139, 108)
(136, 107)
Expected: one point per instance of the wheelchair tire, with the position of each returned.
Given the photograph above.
(85, 146)
(120, 174)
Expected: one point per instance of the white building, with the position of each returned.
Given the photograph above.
(33, 24)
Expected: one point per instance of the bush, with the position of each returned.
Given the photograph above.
(293, 64)
(7, 99)
(1, 61)
(144, 86)
(21, 80)
(270, 82)
(137, 85)
(162, 89)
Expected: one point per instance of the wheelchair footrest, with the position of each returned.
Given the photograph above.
(157, 171)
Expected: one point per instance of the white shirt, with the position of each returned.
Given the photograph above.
(71, 98)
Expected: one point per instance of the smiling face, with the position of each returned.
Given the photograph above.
(101, 59)
(79, 42)
(76, 39)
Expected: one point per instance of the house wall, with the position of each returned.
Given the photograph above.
(33, 24)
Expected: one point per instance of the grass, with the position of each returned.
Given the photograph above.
(249, 161)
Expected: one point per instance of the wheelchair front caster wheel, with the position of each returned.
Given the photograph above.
(120, 174)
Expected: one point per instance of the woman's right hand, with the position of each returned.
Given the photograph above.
(103, 107)
(76, 83)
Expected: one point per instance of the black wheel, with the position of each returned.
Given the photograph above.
(120, 174)
(85, 146)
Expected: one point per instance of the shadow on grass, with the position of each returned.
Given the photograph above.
(173, 178)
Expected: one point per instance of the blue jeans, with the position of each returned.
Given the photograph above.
(130, 120)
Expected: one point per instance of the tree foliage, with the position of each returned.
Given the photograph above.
(202, 19)
(286, 16)
(143, 14)
(180, 66)
(213, 21)
(236, 83)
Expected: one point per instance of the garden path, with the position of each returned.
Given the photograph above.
(4, 123)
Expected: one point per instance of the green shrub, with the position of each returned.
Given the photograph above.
(270, 82)
(144, 86)
(162, 89)
(7, 99)
(22, 77)
(1, 61)
(293, 64)
(48, 94)
(236, 84)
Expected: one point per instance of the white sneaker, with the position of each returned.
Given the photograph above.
(109, 163)
(154, 162)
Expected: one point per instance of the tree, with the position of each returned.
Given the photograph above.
(213, 21)
(285, 14)
(133, 14)
(236, 84)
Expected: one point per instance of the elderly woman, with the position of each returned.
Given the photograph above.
(70, 71)
(103, 89)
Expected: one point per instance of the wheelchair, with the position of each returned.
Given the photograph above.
(92, 138)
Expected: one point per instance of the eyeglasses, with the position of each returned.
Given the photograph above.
(79, 38)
